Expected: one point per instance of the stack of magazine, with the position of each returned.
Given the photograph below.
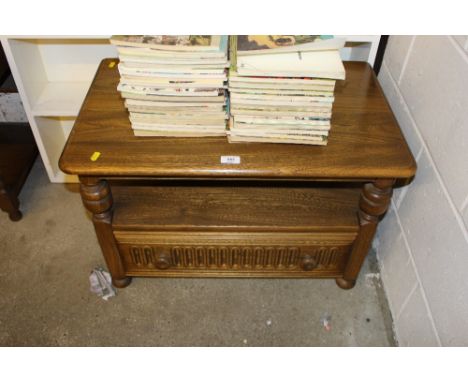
(174, 85)
(281, 87)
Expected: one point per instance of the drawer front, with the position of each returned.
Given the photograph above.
(234, 254)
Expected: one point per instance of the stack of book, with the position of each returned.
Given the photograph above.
(174, 85)
(281, 88)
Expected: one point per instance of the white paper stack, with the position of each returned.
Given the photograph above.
(174, 86)
(282, 90)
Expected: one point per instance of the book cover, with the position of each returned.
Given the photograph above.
(168, 91)
(278, 108)
(283, 121)
(166, 54)
(171, 42)
(282, 92)
(279, 133)
(281, 86)
(195, 63)
(180, 116)
(291, 114)
(321, 64)
(151, 69)
(200, 127)
(319, 141)
(268, 44)
(175, 134)
(173, 98)
(194, 119)
(278, 127)
(282, 100)
(162, 83)
(235, 78)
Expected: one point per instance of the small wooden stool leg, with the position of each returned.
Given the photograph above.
(97, 198)
(9, 203)
(374, 202)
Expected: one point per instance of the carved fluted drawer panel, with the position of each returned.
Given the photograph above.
(236, 254)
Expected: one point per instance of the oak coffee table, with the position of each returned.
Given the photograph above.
(170, 207)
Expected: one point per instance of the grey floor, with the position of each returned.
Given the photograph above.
(45, 298)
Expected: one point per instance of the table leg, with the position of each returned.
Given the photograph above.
(97, 198)
(9, 203)
(374, 201)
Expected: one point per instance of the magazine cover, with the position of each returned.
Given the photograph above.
(169, 42)
(265, 44)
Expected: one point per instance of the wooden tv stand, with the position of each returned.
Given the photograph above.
(168, 207)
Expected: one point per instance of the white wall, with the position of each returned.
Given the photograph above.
(422, 244)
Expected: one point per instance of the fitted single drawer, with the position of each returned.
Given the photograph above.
(214, 254)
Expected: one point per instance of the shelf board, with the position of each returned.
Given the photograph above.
(166, 207)
(60, 99)
(61, 177)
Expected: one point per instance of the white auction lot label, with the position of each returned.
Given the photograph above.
(230, 159)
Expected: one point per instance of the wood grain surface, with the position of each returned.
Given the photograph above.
(365, 141)
(235, 208)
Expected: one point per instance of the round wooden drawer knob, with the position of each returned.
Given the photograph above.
(163, 261)
(308, 263)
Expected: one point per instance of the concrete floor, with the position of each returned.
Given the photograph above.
(45, 298)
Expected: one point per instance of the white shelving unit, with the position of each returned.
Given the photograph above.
(53, 75)
(360, 48)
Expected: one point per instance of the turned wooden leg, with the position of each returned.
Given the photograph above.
(9, 203)
(374, 201)
(97, 198)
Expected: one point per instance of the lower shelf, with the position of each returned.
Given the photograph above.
(234, 206)
(240, 231)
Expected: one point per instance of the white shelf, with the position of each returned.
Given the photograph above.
(60, 99)
(54, 132)
(360, 48)
(53, 75)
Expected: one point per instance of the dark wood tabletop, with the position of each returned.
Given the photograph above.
(365, 141)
